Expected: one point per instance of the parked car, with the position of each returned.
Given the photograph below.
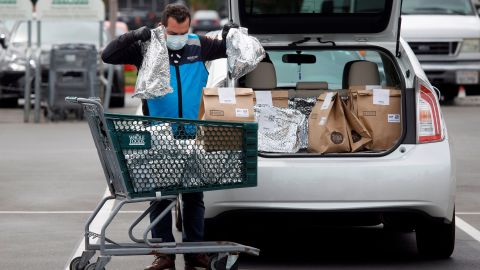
(13, 71)
(205, 21)
(408, 187)
(4, 37)
(445, 36)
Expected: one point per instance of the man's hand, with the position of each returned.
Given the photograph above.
(143, 33)
(227, 28)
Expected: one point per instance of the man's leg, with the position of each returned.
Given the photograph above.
(162, 230)
(193, 214)
(164, 227)
(193, 224)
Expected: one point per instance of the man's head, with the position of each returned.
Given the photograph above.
(176, 19)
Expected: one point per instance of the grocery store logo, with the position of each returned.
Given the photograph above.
(8, 2)
(137, 140)
(69, 2)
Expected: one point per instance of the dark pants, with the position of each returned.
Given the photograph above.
(193, 213)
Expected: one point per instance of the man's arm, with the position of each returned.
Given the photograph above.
(126, 49)
(213, 48)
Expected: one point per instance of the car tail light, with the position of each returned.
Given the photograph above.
(429, 119)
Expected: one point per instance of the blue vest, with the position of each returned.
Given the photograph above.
(187, 78)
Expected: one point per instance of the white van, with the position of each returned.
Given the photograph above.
(409, 186)
(445, 36)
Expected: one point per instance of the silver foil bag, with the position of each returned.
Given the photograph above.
(279, 129)
(305, 106)
(180, 163)
(244, 52)
(154, 75)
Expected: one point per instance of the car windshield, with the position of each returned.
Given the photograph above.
(443, 7)
(262, 7)
(58, 33)
(327, 67)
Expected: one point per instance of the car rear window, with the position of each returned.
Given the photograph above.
(328, 66)
(259, 7)
(315, 16)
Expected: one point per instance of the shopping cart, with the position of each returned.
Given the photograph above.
(148, 159)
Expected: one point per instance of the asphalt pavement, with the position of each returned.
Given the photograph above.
(51, 179)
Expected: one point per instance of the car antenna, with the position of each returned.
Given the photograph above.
(295, 43)
(325, 42)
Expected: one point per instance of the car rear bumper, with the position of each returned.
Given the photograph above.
(420, 179)
(445, 72)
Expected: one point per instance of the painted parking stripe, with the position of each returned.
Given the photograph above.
(468, 213)
(467, 228)
(58, 212)
(96, 226)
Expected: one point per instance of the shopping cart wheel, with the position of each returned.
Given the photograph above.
(221, 262)
(74, 264)
(92, 266)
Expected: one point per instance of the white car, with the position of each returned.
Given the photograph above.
(445, 36)
(410, 186)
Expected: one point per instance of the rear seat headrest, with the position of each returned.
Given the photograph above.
(360, 73)
(312, 86)
(262, 77)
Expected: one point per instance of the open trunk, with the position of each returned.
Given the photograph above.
(366, 81)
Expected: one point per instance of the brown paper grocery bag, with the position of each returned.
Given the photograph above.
(235, 107)
(358, 134)
(380, 115)
(327, 126)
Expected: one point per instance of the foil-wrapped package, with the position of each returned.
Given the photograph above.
(244, 52)
(305, 106)
(154, 75)
(279, 129)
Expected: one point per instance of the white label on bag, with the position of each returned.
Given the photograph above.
(241, 112)
(226, 95)
(371, 87)
(393, 118)
(323, 121)
(327, 101)
(264, 98)
(381, 97)
(266, 122)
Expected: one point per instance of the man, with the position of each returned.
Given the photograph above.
(188, 76)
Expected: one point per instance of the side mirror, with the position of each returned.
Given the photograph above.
(3, 41)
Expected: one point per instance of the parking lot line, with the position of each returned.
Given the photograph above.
(468, 213)
(59, 212)
(467, 228)
(96, 226)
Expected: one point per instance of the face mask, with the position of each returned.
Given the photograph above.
(176, 42)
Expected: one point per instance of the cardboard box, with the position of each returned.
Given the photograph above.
(224, 104)
(379, 109)
(327, 126)
(272, 98)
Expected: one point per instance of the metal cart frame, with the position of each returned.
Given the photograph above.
(226, 252)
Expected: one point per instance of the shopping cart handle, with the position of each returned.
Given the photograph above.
(71, 99)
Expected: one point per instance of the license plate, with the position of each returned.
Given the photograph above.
(467, 77)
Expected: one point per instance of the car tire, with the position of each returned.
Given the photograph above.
(9, 102)
(436, 240)
(449, 93)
